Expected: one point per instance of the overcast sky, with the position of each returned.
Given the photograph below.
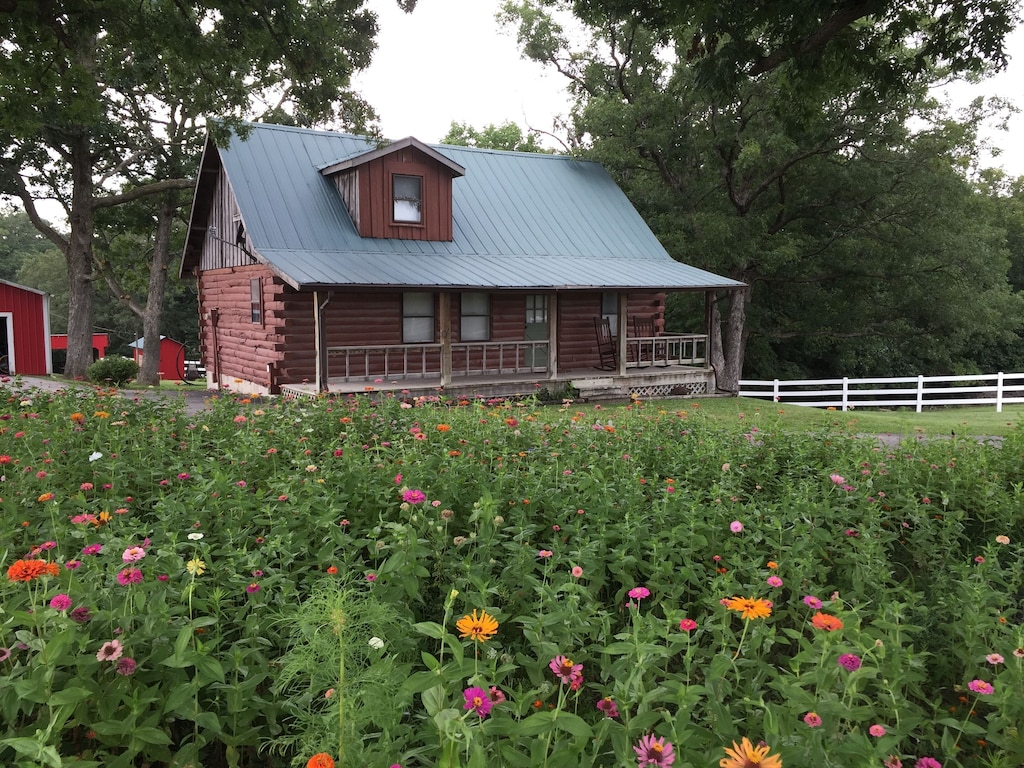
(450, 60)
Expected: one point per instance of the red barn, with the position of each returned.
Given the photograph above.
(24, 330)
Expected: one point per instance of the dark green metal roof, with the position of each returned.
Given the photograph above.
(520, 220)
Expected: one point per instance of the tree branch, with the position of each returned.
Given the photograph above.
(146, 190)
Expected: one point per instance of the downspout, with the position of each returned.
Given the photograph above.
(214, 317)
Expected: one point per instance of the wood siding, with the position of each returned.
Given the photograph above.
(375, 209)
(234, 347)
(219, 248)
(29, 349)
(577, 340)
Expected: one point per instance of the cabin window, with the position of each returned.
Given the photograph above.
(256, 299)
(476, 317)
(610, 310)
(417, 318)
(407, 194)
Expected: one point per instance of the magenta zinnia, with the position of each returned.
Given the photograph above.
(651, 750)
(565, 670)
(478, 700)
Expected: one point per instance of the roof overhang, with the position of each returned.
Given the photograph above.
(361, 159)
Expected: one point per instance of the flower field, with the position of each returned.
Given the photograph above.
(384, 583)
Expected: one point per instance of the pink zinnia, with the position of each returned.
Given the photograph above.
(994, 658)
(132, 554)
(736, 526)
(608, 707)
(812, 602)
(653, 751)
(129, 576)
(92, 549)
(414, 496)
(813, 719)
(774, 581)
(876, 730)
(687, 625)
(639, 593)
(60, 602)
(981, 687)
(565, 670)
(927, 762)
(110, 651)
(125, 666)
(478, 700)
(849, 662)
(254, 587)
(577, 571)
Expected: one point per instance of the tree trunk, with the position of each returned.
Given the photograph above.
(78, 256)
(149, 373)
(728, 347)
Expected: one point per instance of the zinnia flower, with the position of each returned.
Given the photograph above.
(478, 700)
(750, 607)
(414, 496)
(876, 730)
(746, 755)
(927, 762)
(60, 602)
(813, 719)
(80, 615)
(639, 593)
(125, 666)
(687, 625)
(481, 629)
(849, 662)
(981, 687)
(608, 707)
(565, 670)
(110, 651)
(577, 572)
(736, 526)
(195, 566)
(132, 554)
(812, 602)
(320, 760)
(653, 751)
(129, 576)
(994, 658)
(28, 570)
(826, 621)
(774, 581)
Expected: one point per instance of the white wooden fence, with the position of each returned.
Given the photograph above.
(996, 389)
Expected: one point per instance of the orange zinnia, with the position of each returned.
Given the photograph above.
(320, 760)
(750, 607)
(27, 570)
(480, 629)
(746, 755)
(826, 621)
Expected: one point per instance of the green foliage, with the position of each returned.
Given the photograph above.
(507, 136)
(266, 578)
(113, 370)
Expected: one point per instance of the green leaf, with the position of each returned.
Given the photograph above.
(430, 629)
(69, 696)
(150, 735)
(574, 724)
(209, 669)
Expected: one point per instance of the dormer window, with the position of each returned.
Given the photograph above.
(407, 194)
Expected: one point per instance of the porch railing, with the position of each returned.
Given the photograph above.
(384, 361)
(675, 349)
(403, 361)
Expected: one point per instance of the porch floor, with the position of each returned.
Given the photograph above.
(592, 384)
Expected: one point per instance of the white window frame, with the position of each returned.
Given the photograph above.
(415, 314)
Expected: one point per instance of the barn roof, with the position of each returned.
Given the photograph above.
(520, 220)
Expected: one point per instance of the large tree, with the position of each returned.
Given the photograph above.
(764, 173)
(91, 92)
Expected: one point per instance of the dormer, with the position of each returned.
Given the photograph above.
(403, 190)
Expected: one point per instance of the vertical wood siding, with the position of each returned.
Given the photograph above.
(219, 250)
(376, 204)
(31, 329)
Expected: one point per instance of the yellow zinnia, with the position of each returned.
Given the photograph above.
(195, 566)
(750, 607)
(746, 755)
(481, 629)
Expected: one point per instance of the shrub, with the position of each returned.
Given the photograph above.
(112, 370)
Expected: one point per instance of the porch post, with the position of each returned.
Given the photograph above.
(318, 341)
(620, 338)
(445, 321)
(553, 336)
(709, 309)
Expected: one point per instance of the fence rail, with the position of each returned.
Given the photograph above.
(996, 389)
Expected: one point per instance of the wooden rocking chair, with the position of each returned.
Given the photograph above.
(605, 344)
(643, 328)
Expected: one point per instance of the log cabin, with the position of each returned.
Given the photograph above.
(333, 263)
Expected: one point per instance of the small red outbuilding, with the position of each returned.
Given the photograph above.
(172, 357)
(24, 330)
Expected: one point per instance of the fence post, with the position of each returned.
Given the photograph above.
(846, 392)
(999, 392)
(920, 392)
(775, 391)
